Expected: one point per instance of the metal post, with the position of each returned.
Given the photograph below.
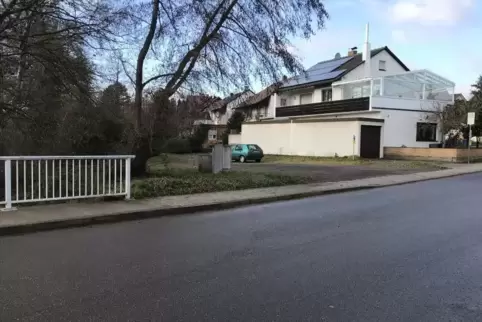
(469, 143)
(128, 178)
(8, 186)
(353, 147)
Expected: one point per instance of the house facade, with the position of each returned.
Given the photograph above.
(260, 106)
(218, 113)
(352, 105)
(221, 110)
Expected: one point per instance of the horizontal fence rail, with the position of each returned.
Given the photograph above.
(338, 106)
(30, 179)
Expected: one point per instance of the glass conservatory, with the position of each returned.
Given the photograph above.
(417, 85)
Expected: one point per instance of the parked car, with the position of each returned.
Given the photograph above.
(246, 152)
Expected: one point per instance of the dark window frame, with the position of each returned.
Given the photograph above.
(384, 68)
(422, 137)
(324, 95)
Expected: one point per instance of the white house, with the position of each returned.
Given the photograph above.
(221, 110)
(351, 105)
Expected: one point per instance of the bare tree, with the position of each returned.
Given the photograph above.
(449, 117)
(44, 36)
(216, 44)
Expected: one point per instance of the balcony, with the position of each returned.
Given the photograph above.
(421, 85)
(340, 106)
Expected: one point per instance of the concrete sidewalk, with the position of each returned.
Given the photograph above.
(35, 218)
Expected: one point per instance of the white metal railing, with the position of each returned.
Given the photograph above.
(47, 178)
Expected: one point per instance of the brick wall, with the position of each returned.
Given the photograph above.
(432, 154)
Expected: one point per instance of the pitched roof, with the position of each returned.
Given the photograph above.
(334, 69)
(220, 104)
(357, 59)
(459, 96)
(261, 96)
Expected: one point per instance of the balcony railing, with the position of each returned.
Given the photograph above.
(349, 105)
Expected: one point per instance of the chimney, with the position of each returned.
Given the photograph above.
(353, 51)
(285, 78)
(367, 58)
(246, 88)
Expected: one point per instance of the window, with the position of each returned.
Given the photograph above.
(382, 65)
(283, 102)
(212, 134)
(239, 148)
(326, 95)
(426, 132)
(306, 98)
(356, 92)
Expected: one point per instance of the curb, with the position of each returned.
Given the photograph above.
(144, 214)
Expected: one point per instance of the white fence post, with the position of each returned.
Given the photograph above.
(128, 178)
(8, 185)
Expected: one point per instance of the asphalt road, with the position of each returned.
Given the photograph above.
(405, 253)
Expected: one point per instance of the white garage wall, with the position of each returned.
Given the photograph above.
(234, 139)
(273, 138)
(303, 138)
(401, 128)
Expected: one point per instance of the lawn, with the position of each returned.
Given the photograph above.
(378, 163)
(175, 175)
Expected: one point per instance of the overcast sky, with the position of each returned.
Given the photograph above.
(440, 35)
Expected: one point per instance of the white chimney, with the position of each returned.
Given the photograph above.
(367, 52)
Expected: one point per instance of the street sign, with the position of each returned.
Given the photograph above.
(471, 118)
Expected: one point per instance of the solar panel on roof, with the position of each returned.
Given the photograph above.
(330, 64)
(310, 78)
(319, 72)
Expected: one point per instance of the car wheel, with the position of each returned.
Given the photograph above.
(258, 160)
(242, 159)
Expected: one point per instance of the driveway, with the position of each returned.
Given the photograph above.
(325, 173)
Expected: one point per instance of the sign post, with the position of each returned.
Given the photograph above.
(354, 140)
(470, 122)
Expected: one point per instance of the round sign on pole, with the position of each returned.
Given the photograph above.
(471, 118)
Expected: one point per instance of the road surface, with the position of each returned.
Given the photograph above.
(405, 253)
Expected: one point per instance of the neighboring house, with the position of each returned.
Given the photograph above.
(460, 97)
(257, 107)
(218, 113)
(357, 104)
(221, 110)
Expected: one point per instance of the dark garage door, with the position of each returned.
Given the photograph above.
(370, 141)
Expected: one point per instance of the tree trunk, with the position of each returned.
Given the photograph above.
(142, 152)
(142, 149)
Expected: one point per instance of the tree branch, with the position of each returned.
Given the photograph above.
(155, 78)
(191, 56)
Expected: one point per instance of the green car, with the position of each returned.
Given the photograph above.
(246, 152)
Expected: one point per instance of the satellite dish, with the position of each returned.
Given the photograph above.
(337, 56)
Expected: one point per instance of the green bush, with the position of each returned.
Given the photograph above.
(177, 146)
(197, 139)
(181, 182)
